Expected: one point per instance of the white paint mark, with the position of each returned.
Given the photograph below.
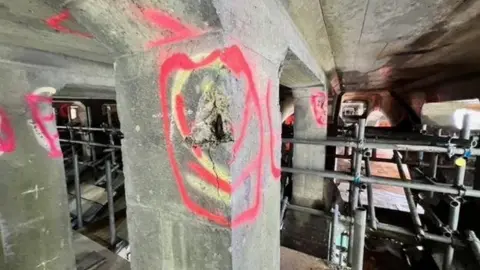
(46, 91)
(35, 190)
(5, 235)
(62, 243)
(41, 140)
(31, 221)
(137, 128)
(44, 263)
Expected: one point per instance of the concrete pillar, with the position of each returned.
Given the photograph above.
(34, 220)
(201, 191)
(311, 107)
(305, 232)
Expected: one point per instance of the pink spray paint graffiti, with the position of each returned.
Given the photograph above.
(234, 62)
(319, 104)
(42, 122)
(164, 21)
(7, 134)
(55, 22)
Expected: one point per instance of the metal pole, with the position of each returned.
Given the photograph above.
(409, 196)
(405, 162)
(386, 181)
(333, 243)
(434, 165)
(454, 207)
(90, 135)
(359, 238)
(110, 135)
(111, 208)
(85, 129)
(420, 154)
(358, 165)
(474, 244)
(371, 206)
(354, 189)
(381, 226)
(91, 143)
(71, 134)
(78, 191)
(385, 144)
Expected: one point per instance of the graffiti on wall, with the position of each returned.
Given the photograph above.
(43, 120)
(57, 21)
(319, 105)
(163, 21)
(177, 75)
(7, 134)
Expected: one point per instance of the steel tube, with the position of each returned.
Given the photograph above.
(111, 207)
(474, 244)
(333, 243)
(110, 135)
(409, 196)
(358, 165)
(371, 206)
(78, 192)
(359, 238)
(389, 160)
(454, 208)
(385, 181)
(90, 135)
(381, 226)
(91, 143)
(384, 144)
(86, 129)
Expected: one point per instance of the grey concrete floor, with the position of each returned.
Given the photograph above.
(289, 259)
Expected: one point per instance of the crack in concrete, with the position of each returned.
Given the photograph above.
(214, 169)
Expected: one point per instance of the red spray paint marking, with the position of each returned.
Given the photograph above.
(34, 101)
(164, 21)
(55, 22)
(318, 101)
(182, 119)
(275, 170)
(290, 120)
(64, 110)
(234, 60)
(209, 177)
(7, 135)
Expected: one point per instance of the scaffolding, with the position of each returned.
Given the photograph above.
(461, 147)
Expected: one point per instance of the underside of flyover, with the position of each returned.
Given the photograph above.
(216, 134)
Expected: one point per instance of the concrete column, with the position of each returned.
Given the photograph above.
(305, 232)
(34, 220)
(311, 108)
(201, 191)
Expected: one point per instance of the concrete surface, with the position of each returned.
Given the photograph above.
(289, 259)
(34, 221)
(35, 226)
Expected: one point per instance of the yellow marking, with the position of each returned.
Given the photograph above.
(181, 77)
(207, 189)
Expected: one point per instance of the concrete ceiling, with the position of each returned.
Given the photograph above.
(392, 44)
(367, 44)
